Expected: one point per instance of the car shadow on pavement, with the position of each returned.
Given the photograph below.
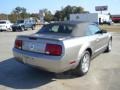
(20, 76)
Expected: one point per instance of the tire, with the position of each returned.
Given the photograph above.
(33, 27)
(84, 64)
(109, 47)
(14, 30)
(22, 28)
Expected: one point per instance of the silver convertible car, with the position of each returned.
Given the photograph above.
(63, 46)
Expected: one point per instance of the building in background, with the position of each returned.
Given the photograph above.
(91, 17)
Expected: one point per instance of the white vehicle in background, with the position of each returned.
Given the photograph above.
(91, 17)
(5, 25)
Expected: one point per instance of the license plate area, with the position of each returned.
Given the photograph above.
(34, 46)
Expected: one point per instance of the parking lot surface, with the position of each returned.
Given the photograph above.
(104, 72)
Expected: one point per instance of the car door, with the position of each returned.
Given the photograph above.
(102, 39)
(97, 38)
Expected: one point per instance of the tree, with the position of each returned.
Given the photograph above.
(12, 17)
(34, 15)
(48, 15)
(58, 16)
(65, 12)
(78, 10)
(24, 13)
(3, 16)
(20, 12)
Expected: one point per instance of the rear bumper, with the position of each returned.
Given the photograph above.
(41, 61)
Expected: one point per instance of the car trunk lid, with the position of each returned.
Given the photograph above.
(38, 42)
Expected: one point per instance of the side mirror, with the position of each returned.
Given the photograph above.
(101, 32)
(104, 31)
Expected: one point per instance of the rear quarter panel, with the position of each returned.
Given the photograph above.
(75, 47)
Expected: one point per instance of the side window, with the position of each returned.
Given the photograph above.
(55, 28)
(92, 30)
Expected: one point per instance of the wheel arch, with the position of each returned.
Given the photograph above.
(82, 50)
(90, 51)
(111, 38)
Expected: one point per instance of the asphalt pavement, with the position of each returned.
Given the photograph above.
(104, 72)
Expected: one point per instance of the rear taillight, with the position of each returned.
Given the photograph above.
(18, 44)
(53, 49)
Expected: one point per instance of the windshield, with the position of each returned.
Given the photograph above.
(57, 28)
(20, 21)
(2, 22)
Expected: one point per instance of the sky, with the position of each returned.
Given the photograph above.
(33, 6)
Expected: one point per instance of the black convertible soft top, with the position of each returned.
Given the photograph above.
(72, 28)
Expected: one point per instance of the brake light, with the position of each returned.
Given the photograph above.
(18, 44)
(53, 49)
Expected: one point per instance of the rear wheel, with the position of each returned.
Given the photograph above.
(14, 30)
(22, 28)
(84, 64)
(33, 27)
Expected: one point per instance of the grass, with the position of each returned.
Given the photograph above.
(112, 28)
